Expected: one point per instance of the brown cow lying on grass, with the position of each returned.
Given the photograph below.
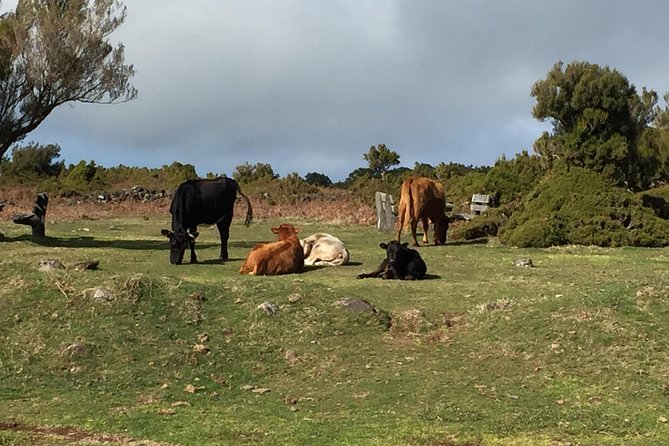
(324, 250)
(422, 199)
(284, 256)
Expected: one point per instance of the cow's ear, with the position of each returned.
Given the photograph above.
(166, 233)
(383, 245)
(275, 230)
(297, 230)
(194, 235)
(405, 244)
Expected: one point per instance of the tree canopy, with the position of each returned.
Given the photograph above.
(318, 179)
(33, 161)
(57, 51)
(598, 121)
(248, 173)
(381, 159)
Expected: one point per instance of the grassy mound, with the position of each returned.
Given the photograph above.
(581, 207)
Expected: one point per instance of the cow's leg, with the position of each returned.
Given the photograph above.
(414, 227)
(390, 273)
(425, 228)
(191, 243)
(223, 226)
(401, 223)
(378, 272)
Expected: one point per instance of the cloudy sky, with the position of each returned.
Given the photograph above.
(310, 85)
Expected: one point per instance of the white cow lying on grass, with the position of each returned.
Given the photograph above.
(324, 250)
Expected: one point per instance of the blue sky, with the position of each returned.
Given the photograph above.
(310, 86)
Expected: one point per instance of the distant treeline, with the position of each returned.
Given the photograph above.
(598, 177)
(39, 165)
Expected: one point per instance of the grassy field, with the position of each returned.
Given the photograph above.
(571, 352)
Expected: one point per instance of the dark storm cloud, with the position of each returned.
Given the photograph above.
(310, 86)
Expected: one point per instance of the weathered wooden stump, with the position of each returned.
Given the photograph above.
(36, 220)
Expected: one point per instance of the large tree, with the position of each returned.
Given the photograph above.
(380, 159)
(57, 51)
(598, 120)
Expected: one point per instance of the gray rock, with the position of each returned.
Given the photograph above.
(86, 264)
(47, 265)
(523, 262)
(75, 350)
(103, 294)
(269, 307)
(357, 305)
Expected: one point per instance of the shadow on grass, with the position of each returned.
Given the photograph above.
(216, 261)
(476, 241)
(427, 277)
(92, 242)
(249, 244)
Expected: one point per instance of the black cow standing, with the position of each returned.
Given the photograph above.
(197, 202)
(401, 263)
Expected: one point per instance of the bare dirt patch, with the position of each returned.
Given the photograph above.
(74, 435)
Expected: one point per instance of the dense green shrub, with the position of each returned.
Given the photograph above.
(318, 179)
(176, 173)
(290, 189)
(658, 200)
(365, 187)
(510, 180)
(79, 177)
(579, 206)
(459, 189)
(248, 173)
(480, 227)
(31, 162)
(292, 185)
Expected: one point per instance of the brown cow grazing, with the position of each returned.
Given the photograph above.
(422, 199)
(284, 256)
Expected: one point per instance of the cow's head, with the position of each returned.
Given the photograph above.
(286, 231)
(179, 241)
(395, 251)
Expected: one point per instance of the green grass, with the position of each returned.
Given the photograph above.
(572, 351)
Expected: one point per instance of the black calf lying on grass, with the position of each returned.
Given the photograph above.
(400, 263)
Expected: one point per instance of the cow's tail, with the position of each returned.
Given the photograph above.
(249, 210)
(412, 211)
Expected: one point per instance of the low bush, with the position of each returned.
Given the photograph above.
(658, 200)
(578, 206)
(459, 189)
(364, 189)
(290, 189)
(484, 226)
